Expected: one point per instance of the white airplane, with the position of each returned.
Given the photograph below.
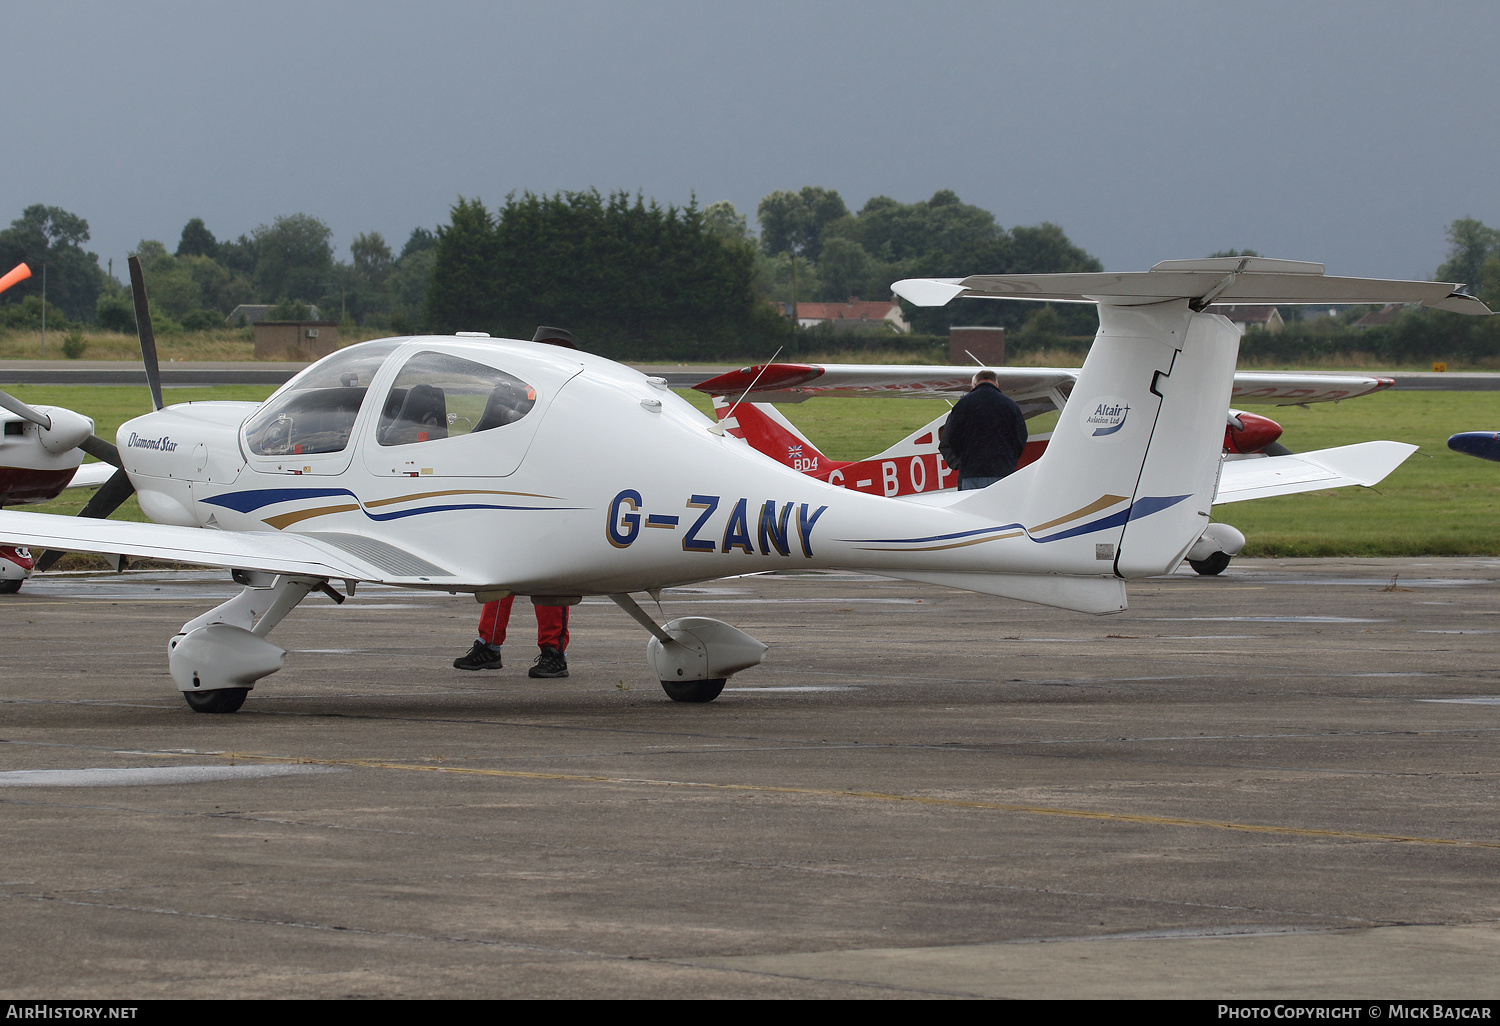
(490, 467)
(914, 466)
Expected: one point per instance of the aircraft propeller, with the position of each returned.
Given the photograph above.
(118, 488)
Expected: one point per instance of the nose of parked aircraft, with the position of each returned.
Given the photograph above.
(1254, 433)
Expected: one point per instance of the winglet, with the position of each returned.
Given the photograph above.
(928, 291)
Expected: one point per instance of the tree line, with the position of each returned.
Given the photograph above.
(641, 279)
(1416, 334)
(637, 279)
(838, 254)
(628, 277)
(288, 263)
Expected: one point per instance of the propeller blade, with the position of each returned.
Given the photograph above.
(20, 409)
(20, 272)
(109, 496)
(105, 501)
(103, 451)
(143, 329)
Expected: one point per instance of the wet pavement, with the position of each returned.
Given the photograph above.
(1281, 782)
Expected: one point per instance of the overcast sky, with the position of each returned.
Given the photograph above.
(1350, 133)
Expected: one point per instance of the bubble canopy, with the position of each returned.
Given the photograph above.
(316, 410)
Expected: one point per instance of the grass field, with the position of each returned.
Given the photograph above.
(1437, 503)
(223, 344)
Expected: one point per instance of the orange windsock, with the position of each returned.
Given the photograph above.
(20, 272)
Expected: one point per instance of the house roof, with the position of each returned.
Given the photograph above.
(1384, 315)
(852, 310)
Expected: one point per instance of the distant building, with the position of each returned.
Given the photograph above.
(853, 316)
(295, 340)
(1384, 315)
(1266, 318)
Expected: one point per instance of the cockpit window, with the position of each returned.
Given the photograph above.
(441, 396)
(316, 413)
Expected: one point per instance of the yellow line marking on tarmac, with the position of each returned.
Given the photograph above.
(1034, 810)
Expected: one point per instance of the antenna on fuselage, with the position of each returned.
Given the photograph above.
(717, 428)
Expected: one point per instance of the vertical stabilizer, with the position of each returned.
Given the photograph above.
(768, 432)
(1128, 476)
(1181, 472)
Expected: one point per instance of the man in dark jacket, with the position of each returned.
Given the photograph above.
(984, 435)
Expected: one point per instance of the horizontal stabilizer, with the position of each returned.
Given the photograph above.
(1215, 280)
(1081, 594)
(1366, 463)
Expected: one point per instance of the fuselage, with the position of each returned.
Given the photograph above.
(607, 481)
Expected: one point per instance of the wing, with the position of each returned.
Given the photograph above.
(795, 382)
(1484, 444)
(91, 475)
(347, 556)
(1035, 389)
(1366, 463)
(1282, 388)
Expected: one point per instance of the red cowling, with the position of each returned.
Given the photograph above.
(20, 485)
(776, 375)
(14, 555)
(1257, 433)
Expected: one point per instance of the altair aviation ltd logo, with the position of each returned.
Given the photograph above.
(1107, 416)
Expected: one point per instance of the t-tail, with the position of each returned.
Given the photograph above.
(1131, 470)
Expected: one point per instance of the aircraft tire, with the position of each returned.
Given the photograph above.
(1212, 566)
(9, 587)
(219, 700)
(693, 690)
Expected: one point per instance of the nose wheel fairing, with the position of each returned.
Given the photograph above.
(694, 656)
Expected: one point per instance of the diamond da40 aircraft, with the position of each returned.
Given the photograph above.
(492, 467)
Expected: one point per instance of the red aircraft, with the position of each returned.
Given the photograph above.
(41, 449)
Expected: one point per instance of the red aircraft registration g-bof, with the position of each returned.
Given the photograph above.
(492, 467)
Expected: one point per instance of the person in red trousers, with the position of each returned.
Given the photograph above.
(551, 638)
(551, 621)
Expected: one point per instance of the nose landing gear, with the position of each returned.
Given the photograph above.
(216, 658)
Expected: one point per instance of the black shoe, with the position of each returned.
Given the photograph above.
(549, 664)
(480, 657)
